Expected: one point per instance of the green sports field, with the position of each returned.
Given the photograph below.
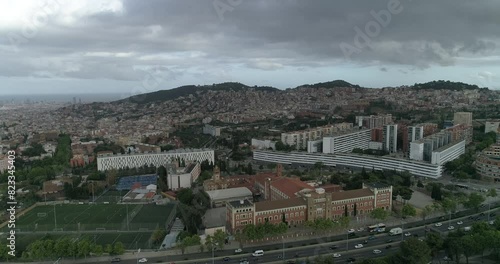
(74, 217)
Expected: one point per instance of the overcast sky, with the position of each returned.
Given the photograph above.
(129, 46)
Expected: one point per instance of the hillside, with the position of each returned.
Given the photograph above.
(331, 84)
(444, 85)
(172, 94)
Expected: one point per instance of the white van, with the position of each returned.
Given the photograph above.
(258, 253)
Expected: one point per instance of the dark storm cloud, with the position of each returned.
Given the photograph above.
(262, 34)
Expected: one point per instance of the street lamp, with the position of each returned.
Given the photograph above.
(138, 251)
(402, 229)
(347, 244)
(283, 241)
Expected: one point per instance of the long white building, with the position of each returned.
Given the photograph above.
(119, 161)
(448, 153)
(347, 141)
(300, 138)
(416, 168)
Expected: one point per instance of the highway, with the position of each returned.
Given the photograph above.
(299, 250)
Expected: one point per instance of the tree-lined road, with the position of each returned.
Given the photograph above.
(299, 250)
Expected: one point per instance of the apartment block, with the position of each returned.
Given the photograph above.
(300, 138)
(390, 139)
(373, 121)
(345, 142)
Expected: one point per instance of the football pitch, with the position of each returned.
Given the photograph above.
(95, 217)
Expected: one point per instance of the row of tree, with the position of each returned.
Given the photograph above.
(48, 249)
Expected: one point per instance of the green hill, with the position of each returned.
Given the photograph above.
(331, 84)
(444, 85)
(172, 94)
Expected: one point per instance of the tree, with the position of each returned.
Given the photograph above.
(118, 248)
(448, 205)
(426, 211)
(344, 221)
(406, 193)
(474, 201)
(185, 196)
(408, 210)
(158, 236)
(414, 251)
(219, 238)
(436, 192)
(379, 213)
(469, 246)
(435, 242)
(420, 184)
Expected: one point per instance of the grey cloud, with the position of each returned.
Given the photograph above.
(293, 33)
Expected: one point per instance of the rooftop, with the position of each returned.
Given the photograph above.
(236, 204)
(337, 196)
(229, 193)
(271, 205)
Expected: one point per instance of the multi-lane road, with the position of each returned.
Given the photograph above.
(299, 250)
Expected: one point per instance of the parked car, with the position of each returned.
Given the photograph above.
(438, 224)
(377, 251)
(460, 223)
(239, 250)
(116, 260)
(351, 231)
(358, 246)
(351, 260)
(451, 227)
(407, 234)
(361, 229)
(143, 260)
(226, 259)
(337, 255)
(388, 246)
(334, 247)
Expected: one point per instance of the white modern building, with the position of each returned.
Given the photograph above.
(417, 151)
(417, 168)
(263, 144)
(183, 177)
(373, 121)
(219, 198)
(211, 130)
(448, 153)
(421, 150)
(390, 138)
(315, 146)
(345, 142)
(300, 138)
(119, 161)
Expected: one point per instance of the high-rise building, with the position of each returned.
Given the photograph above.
(429, 128)
(462, 118)
(414, 133)
(345, 142)
(374, 121)
(390, 139)
(422, 149)
(492, 126)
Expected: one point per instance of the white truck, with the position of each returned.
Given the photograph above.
(396, 231)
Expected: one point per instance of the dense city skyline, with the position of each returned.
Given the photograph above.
(116, 46)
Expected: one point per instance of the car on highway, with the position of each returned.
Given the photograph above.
(351, 260)
(290, 262)
(438, 224)
(337, 255)
(377, 251)
(238, 250)
(334, 247)
(244, 261)
(407, 234)
(388, 241)
(115, 260)
(493, 214)
(460, 223)
(388, 246)
(451, 227)
(365, 242)
(372, 237)
(351, 231)
(143, 260)
(361, 229)
(226, 259)
(482, 214)
(358, 246)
